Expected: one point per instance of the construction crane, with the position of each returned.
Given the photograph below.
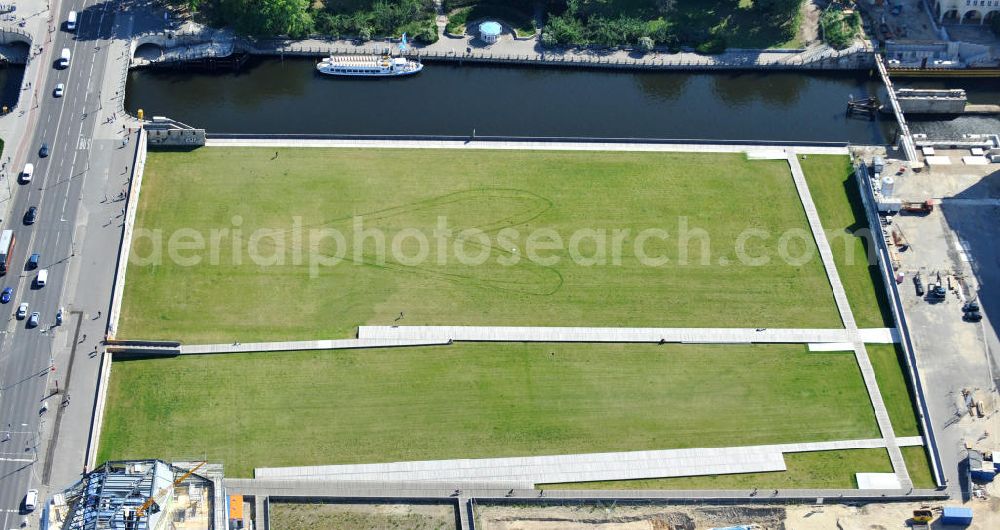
(163, 492)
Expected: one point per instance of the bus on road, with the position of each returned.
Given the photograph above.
(6, 249)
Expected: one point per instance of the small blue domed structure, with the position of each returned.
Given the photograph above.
(490, 31)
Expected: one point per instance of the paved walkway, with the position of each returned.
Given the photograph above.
(528, 471)
(510, 50)
(843, 305)
(625, 145)
(506, 492)
(341, 344)
(646, 335)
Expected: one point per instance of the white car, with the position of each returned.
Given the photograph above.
(30, 500)
(22, 310)
(59, 91)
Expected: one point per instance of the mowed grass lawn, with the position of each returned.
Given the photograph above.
(838, 201)
(478, 268)
(477, 400)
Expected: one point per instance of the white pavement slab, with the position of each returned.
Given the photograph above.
(572, 468)
(766, 154)
(518, 145)
(831, 346)
(879, 335)
(877, 481)
(975, 160)
(937, 160)
(339, 344)
(645, 335)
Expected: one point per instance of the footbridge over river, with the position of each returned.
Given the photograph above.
(904, 139)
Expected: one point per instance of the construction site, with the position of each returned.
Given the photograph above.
(141, 495)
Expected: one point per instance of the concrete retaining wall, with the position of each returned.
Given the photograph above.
(926, 101)
(176, 137)
(525, 139)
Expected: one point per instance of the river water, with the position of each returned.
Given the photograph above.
(288, 97)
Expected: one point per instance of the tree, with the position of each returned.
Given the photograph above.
(549, 40)
(665, 7)
(646, 44)
(268, 17)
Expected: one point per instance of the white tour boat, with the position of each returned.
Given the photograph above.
(368, 66)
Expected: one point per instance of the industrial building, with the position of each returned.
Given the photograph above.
(140, 495)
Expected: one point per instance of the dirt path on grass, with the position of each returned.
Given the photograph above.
(808, 33)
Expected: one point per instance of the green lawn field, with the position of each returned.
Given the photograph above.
(477, 400)
(264, 218)
(838, 202)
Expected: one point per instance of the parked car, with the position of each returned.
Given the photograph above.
(972, 316)
(22, 310)
(6, 295)
(59, 91)
(33, 319)
(918, 284)
(971, 306)
(31, 215)
(30, 500)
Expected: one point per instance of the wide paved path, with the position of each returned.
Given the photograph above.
(531, 470)
(765, 151)
(641, 335)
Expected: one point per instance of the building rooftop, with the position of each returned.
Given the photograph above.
(490, 28)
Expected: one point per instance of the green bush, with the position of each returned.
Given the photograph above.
(839, 30)
(457, 20)
(713, 46)
(423, 31)
(565, 30)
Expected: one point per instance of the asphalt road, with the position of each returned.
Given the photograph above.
(67, 125)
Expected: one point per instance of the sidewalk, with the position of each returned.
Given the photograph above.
(91, 273)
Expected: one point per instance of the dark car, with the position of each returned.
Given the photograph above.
(971, 306)
(31, 215)
(972, 316)
(7, 293)
(33, 261)
(44, 151)
(918, 284)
